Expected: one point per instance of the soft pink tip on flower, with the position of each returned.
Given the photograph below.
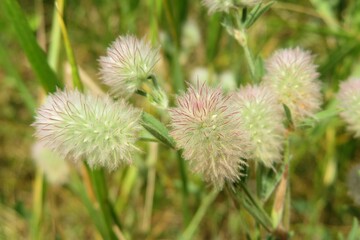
(129, 61)
(262, 117)
(85, 127)
(207, 127)
(293, 76)
(349, 103)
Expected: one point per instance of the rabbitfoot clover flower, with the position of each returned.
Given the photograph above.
(54, 167)
(292, 75)
(129, 62)
(262, 117)
(85, 127)
(208, 129)
(349, 103)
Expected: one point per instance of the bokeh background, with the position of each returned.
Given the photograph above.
(194, 45)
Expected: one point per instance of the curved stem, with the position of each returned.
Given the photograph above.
(194, 224)
(185, 190)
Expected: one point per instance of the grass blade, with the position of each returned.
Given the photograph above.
(157, 129)
(34, 53)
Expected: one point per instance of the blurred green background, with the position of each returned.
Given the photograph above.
(321, 207)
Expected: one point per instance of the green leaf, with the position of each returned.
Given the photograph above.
(288, 116)
(331, 111)
(355, 231)
(78, 188)
(70, 54)
(34, 53)
(199, 215)
(269, 180)
(14, 79)
(157, 129)
(256, 13)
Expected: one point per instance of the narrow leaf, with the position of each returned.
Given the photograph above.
(14, 79)
(355, 230)
(256, 13)
(270, 179)
(289, 121)
(34, 53)
(157, 129)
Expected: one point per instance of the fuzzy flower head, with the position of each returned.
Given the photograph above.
(95, 129)
(208, 130)
(128, 63)
(292, 75)
(54, 167)
(225, 5)
(349, 103)
(262, 117)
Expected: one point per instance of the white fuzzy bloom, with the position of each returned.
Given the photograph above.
(293, 76)
(262, 117)
(207, 127)
(54, 167)
(128, 63)
(86, 127)
(227, 81)
(349, 104)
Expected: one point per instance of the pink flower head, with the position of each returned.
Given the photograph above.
(208, 129)
(128, 63)
(262, 117)
(349, 103)
(292, 75)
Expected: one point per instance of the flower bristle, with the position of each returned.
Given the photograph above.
(86, 127)
(262, 117)
(206, 126)
(349, 104)
(292, 75)
(129, 61)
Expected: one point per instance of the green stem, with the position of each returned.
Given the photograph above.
(77, 186)
(260, 171)
(265, 219)
(38, 204)
(185, 190)
(126, 188)
(288, 193)
(250, 61)
(98, 182)
(241, 37)
(150, 187)
(252, 205)
(200, 213)
(70, 53)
